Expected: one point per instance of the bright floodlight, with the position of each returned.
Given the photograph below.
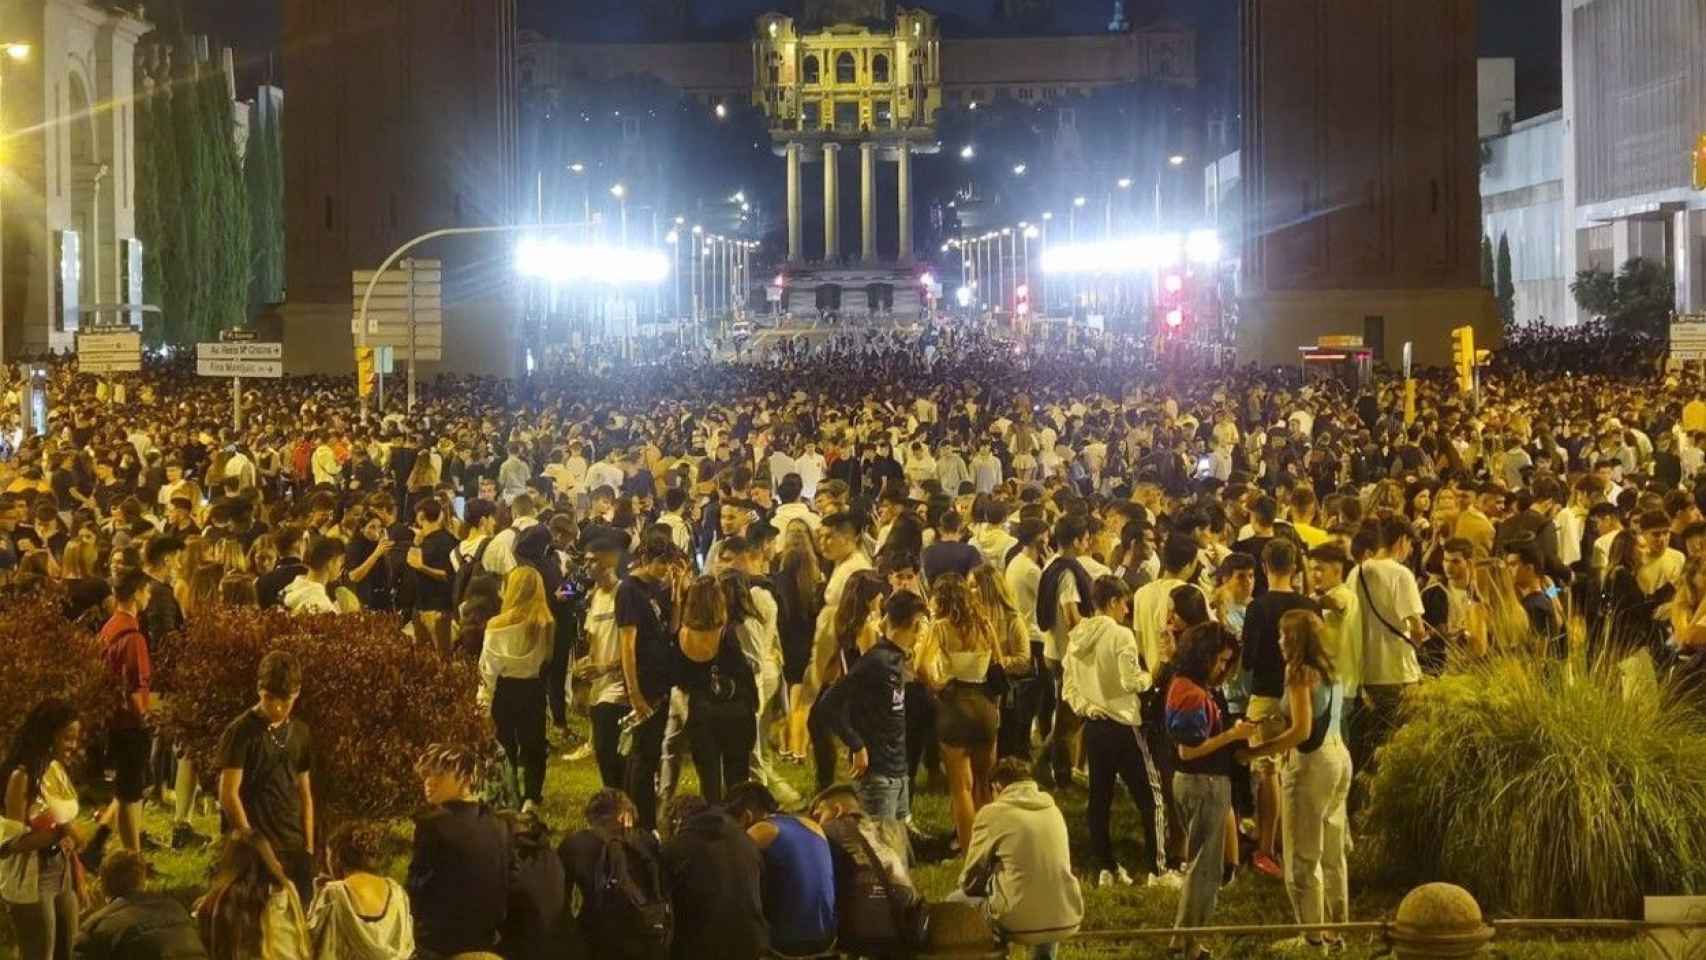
(928, 280)
(18, 51)
(1018, 169)
(722, 111)
(1177, 159)
(1031, 233)
(562, 263)
(618, 191)
(577, 168)
(1124, 183)
(1048, 214)
(672, 237)
(962, 296)
(1202, 246)
(944, 248)
(1078, 201)
(967, 152)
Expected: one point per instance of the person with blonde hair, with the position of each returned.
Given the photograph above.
(1012, 652)
(718, 681)
(512, 660)
(954, 660)
(1497, 621)
(798, 585)
(252, 911)
(1315, 780)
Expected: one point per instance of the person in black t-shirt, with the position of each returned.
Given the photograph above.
(264, 759)
(647, 616)
(430, 567)
(1266, 664)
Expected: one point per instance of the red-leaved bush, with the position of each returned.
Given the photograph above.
(372, 698)
(46, 655)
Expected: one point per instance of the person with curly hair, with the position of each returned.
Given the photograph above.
(37, 876)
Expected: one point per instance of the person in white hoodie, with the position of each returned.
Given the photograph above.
(324, 559)
(360, 914)
(1018, 867)
(1101, 680)
(512, 658)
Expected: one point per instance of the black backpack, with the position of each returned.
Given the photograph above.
(629, 898)
(475, 567)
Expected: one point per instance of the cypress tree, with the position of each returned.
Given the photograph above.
(1487, 261)
(1505, 292)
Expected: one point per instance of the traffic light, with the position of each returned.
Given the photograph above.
(1463, 358)
(1173, 301)
(1697, 162)
(364, 378)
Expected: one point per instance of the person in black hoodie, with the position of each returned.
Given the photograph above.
(1059, 609)
(867, 710)
(715, 876)
(610, 922)
(459, 872)
(270, 586)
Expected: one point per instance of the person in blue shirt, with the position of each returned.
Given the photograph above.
(799, 872)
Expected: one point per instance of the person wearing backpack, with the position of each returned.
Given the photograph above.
(480, 521)
(879, 912)
(715, 878)
(625, 912)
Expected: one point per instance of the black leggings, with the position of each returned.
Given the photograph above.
(518, 710)
(640, 767)
(921, 743)
(1118, 751)
(606, 734)
(720, 735)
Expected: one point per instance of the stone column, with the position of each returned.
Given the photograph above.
(904, 182)
(831, 202)
(868, 201)
(794, 254)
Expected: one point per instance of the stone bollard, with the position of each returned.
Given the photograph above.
(1438, 920)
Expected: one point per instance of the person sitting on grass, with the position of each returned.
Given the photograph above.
(799, 874)
(251, 911)
(136, 924)
(879, 911)
(715, 878)
(360, 914)
(614, 922)
(1018, 869)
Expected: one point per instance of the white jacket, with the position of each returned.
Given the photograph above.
(1033, 893)
(1102, 677)
(515, 650)
(303, 595)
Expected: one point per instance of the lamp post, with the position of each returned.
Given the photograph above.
(1007, 284)
(1124, 183)
(1175, 162)
(620, 192)
(1042, 278)
(17, 52)
(694, 267)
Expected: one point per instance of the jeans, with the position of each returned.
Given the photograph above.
(1058, 750)
(884, 798)
(1036, 951)
(769, 686)
(1313, 828)
(720, 733)
(46, 928)
(606, 732)
(640, 776)
(1117, 751)
(518, 711)
(1204, 801)
(674, 744)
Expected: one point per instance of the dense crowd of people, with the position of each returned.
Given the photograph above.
(1019, 571)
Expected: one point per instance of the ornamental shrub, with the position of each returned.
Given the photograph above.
(372, 699)
(48, 656)
(1543, 790)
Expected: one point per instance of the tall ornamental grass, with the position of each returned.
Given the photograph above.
(1543, 790)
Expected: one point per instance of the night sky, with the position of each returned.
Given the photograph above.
(1525, 29)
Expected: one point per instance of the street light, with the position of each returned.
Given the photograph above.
(1124, 183)
(621, 194)
(722, 111)
(1078, 201)
(1018, 169)
(967, 152)
(1177, 159)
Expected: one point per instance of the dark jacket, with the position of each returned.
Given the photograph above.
(715, 876)
(270, 586)
(580, 855)
(867, 709)
(1048, 590)
(142, 926)
(459, 878)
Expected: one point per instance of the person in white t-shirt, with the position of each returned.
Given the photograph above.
(1392, 632)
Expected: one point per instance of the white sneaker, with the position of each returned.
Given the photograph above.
(1123, 877)
(1105, 879)
(1172, 880)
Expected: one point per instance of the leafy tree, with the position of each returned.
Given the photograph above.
(1487, 276)
(1639, 298)
(263, 164)
(1505, 290)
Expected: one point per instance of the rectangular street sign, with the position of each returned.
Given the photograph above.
(362, 278)
(238, 336)
(260, 369)
(239, 351)
(118, 351)
(109, 342)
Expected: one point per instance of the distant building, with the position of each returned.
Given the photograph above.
(1522, 202)
(1634, 102)
(403, 120)
(1495, 96)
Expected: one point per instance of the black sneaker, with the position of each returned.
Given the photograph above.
(184, 835)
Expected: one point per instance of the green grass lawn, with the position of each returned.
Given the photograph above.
(1251, 899)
